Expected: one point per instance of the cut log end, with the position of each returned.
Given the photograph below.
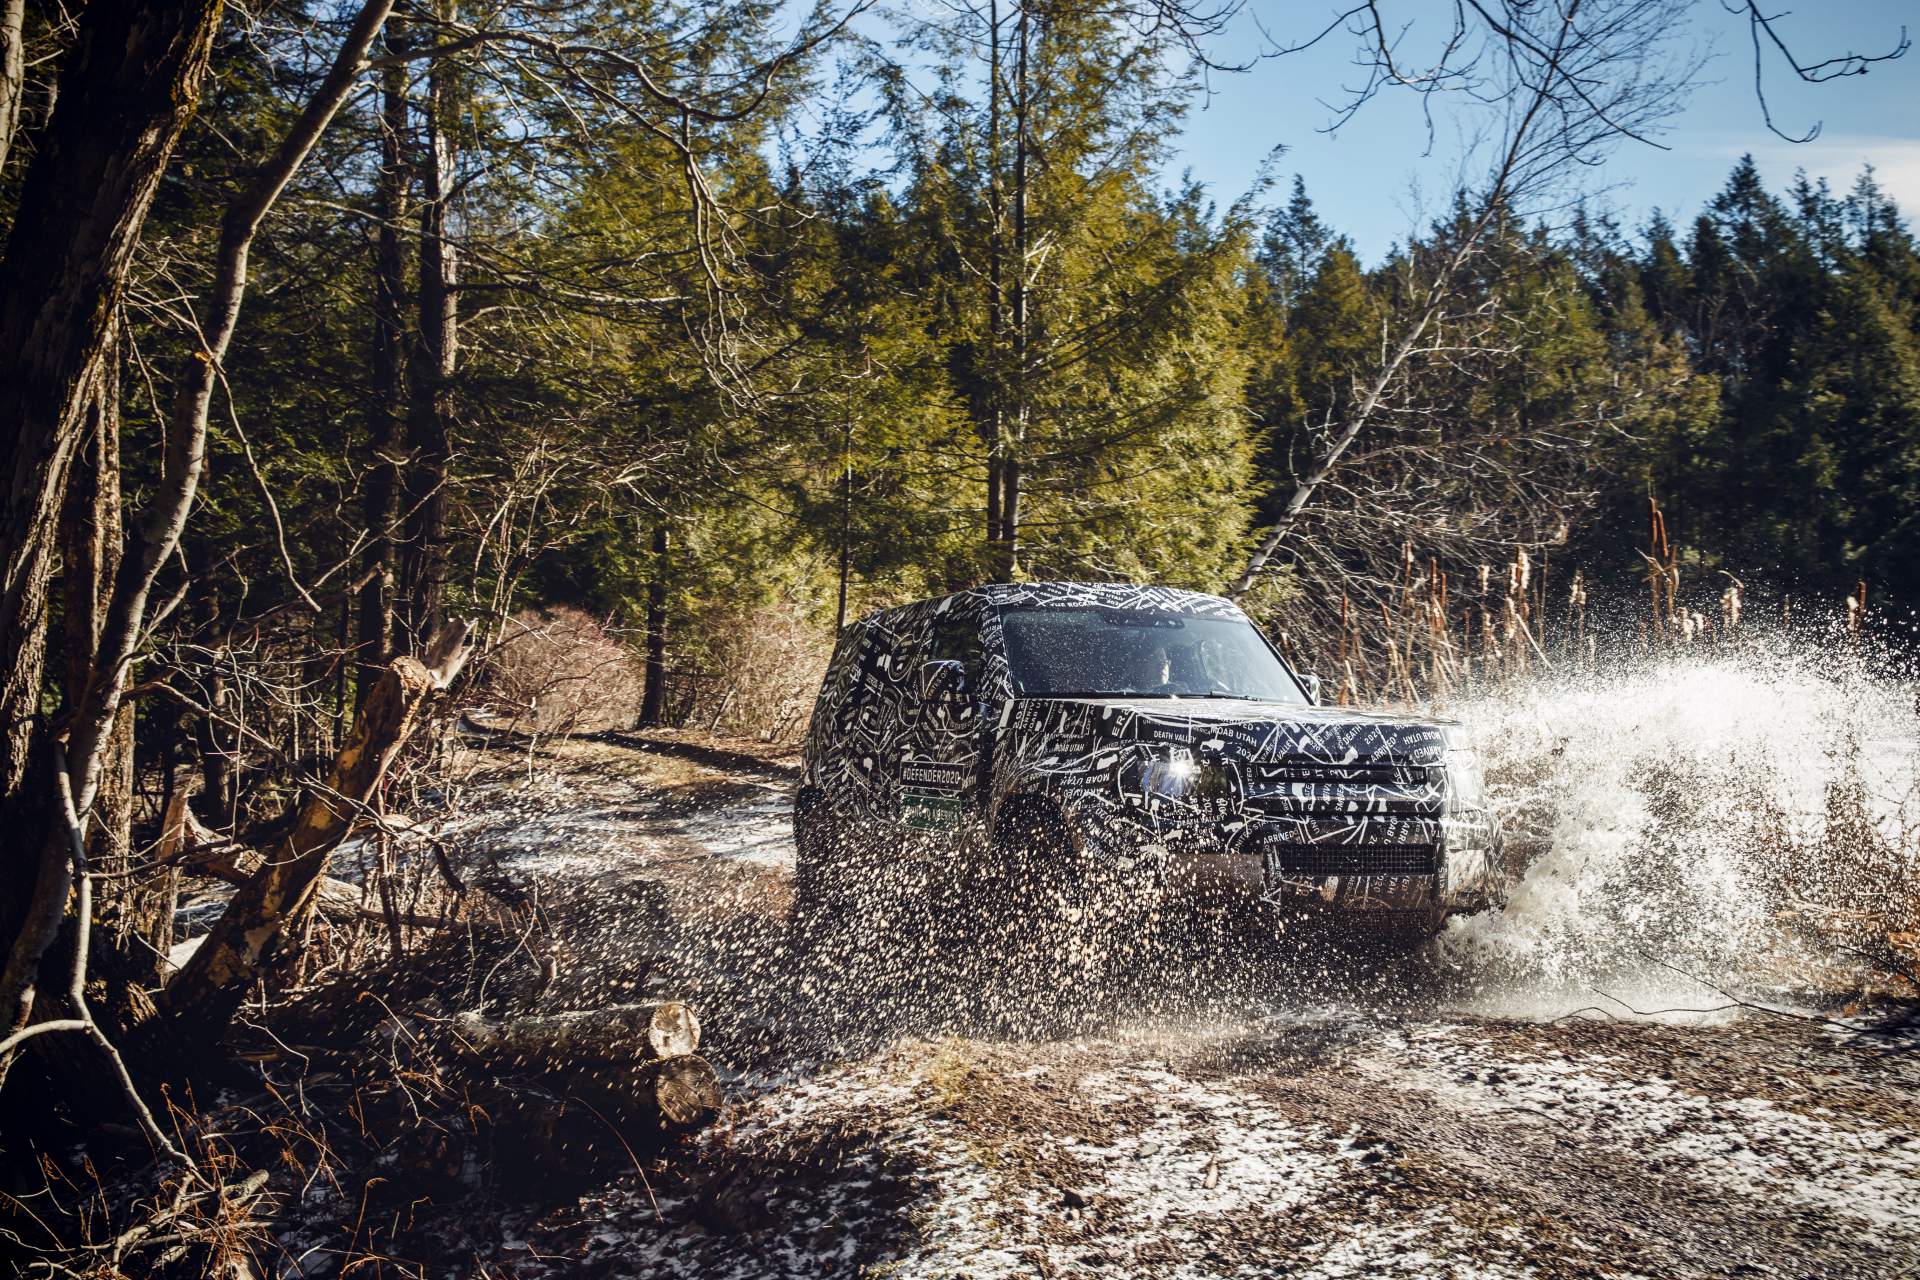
(673, 1029)
(683, 1092)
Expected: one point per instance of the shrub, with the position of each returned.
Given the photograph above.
(563, 671)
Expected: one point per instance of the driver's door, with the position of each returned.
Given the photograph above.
(943, 766)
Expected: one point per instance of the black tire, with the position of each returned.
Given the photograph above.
(818, 879)
(1065, 913)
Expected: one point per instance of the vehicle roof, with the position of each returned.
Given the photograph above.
(1065, 595)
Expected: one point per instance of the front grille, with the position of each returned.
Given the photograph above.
(1296, 786)
(1376, 771)
(1354, 859)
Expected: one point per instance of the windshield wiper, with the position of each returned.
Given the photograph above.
(1092, 693)
(1143, 693)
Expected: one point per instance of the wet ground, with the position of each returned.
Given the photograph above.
(1229, 1107)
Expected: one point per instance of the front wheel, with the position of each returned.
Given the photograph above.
(1067, 912)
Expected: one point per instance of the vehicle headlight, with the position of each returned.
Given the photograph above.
(1176, 774)
(1169, 774)
(1464, 779)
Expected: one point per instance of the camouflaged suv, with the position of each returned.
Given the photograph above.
(1129, 740)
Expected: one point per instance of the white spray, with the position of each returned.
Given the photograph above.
(1711, 816)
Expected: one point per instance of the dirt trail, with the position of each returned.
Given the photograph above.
(1326, 1122)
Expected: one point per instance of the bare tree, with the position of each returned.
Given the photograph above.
(274, 900)
(435, 357)
(386, 405)
(1569, 80)
(123, 615)
(133, 78)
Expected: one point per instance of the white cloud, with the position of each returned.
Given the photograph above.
(1839, 159)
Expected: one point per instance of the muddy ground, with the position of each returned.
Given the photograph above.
(1231, 1107)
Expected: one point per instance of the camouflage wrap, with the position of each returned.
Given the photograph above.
(1360, 809)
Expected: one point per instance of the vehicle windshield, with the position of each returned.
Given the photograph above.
(1096, 652)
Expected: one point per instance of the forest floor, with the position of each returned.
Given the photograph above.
(1236, 1111)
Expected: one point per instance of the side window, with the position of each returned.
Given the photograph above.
(867, 675)
(844, 673)
(958, 640)
(907, 649)
(836, 687)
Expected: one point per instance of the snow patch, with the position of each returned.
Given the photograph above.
(1749, 1145)
(759, 833)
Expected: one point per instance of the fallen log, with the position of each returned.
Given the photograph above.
(625, 1073)
(597, 1120)
(617, 1033)
(668, 1095)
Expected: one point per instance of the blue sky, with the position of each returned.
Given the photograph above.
(1367, 176)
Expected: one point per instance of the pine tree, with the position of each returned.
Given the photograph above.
(1292, 245)
(1090, 325)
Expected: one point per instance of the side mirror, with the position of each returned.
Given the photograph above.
(942, 680)
(1313, 687)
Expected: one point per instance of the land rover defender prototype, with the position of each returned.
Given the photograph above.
(1131, 742)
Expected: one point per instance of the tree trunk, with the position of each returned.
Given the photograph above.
(133, 77)
(13, 72)
(214, 742)
(252, 931)
(653, 696)
(993, 429)
(1008, 557)
(90, 538)
(387, 403)
(846, 513)
(428, 422)
(140, 907)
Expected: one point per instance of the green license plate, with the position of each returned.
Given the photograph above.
(923, 812)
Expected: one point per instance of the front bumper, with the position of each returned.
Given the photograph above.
(1459, 872)
(1248, 875)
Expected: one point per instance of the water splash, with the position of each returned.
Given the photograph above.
(1735, 819)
